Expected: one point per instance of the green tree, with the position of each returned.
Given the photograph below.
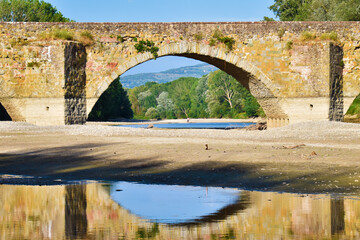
(140, 96)
(214, 95)
(147, 99)
(152, 113)
(316, 10)
(165, 105)
(29, 11)
(113, 103)
(290, 10)
(199, 107)
(180, 93)
(251, 106)
(268, 19)
(224, 95)
(347, 10)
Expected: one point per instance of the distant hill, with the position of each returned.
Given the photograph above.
(136, 80)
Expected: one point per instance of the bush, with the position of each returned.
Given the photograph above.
(306, 36)
(218, 36)
(198, 37)
(242, 115)
(63, 34)
(86, 38)
(120, 38)
(33, 64)
(289, 45)
(147, 46)
(281, 33)
(329, 36)
(57, 34)
(212, 42)
(152, 113)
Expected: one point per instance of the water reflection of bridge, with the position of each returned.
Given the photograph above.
(87, 211)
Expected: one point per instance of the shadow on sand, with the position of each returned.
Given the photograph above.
(80, 162)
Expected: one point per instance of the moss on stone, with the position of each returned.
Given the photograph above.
(33, 64)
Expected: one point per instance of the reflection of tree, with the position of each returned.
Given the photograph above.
(143, 233)
(75, 211)
(337, 216)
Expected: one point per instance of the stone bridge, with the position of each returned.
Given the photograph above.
(298, 71)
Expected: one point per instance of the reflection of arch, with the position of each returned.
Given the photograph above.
(178, 205)
(242, 203)
(246, 73)
(4, 116)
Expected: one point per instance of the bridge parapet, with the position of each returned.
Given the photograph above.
(294, 79)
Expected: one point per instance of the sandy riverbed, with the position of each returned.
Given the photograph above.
(306, 157)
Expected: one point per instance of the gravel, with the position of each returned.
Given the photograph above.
(320, 130)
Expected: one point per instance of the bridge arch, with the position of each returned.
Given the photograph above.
(251, 77)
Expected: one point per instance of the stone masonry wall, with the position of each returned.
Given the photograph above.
(288, 74)
(336, 109)
(75, 84)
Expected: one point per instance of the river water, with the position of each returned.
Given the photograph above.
(123, 210)
(215, 125)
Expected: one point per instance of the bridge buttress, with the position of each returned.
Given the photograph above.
(49, 88)
(75, 84)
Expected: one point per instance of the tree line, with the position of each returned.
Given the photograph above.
(216, 95)
(316, 10)
(29, 11)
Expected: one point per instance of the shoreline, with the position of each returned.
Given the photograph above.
(192, 120)
(313, 157)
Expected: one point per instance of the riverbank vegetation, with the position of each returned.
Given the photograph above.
(113, 103)
(353, 113)
(216, 95)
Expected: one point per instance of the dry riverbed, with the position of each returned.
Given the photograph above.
(314, 157)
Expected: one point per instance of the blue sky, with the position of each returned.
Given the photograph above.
(163, 11)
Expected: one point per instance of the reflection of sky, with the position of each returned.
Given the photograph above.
(172, 204)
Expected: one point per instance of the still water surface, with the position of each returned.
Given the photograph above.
(123, 210)
(216, 125)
